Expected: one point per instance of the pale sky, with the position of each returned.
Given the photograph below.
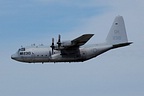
(119, 72)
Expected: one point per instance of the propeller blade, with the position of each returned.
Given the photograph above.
(52, 41)
(52, 46)
(59, 38)
(59, 41)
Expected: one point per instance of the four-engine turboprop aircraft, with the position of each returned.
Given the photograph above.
(73, 51)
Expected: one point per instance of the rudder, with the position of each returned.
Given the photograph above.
(117, 33)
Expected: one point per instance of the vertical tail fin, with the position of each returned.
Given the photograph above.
(117, 33)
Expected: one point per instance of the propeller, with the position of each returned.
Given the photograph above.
(52, 46)
(59, 41)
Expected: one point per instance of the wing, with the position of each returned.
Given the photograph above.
(73, 49)
(81, 40)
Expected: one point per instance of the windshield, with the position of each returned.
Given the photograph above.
(21, 49)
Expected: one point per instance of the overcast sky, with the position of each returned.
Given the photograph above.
(119, 72)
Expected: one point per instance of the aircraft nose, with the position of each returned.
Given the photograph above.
(14, 56)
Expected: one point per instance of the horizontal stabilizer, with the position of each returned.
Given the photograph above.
(121, 45)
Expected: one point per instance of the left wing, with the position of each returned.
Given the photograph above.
(73, 48)
(81, 40)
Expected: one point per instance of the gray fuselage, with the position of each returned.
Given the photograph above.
(73, 50)
(37, 54)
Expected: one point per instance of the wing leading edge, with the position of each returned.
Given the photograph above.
(81, 40)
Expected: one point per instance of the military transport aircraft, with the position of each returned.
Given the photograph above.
(73, 50)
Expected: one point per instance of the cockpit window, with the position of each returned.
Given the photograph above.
(22, 49)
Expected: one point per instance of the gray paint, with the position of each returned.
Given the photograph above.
(71, 51)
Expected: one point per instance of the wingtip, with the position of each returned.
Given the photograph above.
(88, 34)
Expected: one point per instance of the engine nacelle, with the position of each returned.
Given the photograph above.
(60, 45)
(66, 44)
